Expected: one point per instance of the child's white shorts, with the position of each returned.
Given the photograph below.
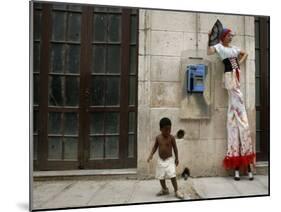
(165, 168)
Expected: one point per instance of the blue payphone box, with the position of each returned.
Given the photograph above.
(195, 76)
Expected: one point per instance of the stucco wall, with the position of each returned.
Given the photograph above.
(163, 38)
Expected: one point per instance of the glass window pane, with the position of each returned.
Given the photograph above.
(131, 145)
(113, 59)
(35, 147)
(133, 35)
(55, 91)
(70, 123)
(37, 25)
(35, 89)
(97, 90)
(112, 91)
(114, 28)
(112, 147)
(133, 60)
(36, 57)
(70, 148)
(111, 123)
(73, 59)
(132, 90)
(100, 28)
(54, 148)
(57, 58)
(71, 91)
(54, 123)
(132, 122)
(58, 26)
(258, 120)
(96, 147)
(74, 27)
(258, 90)
(97, 123)
(257, 34)
(98, 61)
(35, 121)
(257, 62)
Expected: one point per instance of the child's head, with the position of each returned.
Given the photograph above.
(165, 126)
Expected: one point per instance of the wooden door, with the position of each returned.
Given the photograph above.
(84, 87)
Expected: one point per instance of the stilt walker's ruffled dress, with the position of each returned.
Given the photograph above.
(240, 151)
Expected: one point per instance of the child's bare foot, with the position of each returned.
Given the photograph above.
(179, 195)
(163, 192)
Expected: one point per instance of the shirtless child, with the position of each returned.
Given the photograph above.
(166, 165)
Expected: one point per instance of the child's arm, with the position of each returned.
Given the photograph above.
(175, 150)
(154, 148)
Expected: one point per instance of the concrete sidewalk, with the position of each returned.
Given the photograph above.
(77, 193)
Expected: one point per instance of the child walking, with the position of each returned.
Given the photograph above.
(166, 164)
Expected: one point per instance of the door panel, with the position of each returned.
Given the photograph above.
(262, 87)
(82, 64)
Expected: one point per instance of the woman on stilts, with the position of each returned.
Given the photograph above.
(240, 153)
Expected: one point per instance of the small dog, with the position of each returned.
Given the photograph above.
(186, 173)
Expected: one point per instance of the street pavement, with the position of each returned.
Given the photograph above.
(85, 193)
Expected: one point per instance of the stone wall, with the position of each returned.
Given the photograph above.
(163, 37)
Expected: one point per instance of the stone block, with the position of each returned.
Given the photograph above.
(221, 147)
(249, 26)
(165, 94)
(251, 72)
(203, 41)
(189, 41)
(251, 96)
(220, 123)
(165, 69)
(144, 42)
(239, 41)
(221, 95)
(143, 128)
(144, 19)
(250, 47)
(216, 127)
(143, 93)
(193, 129)
(185, 155)
(166, 43)
(172, 20)
(251, 113)
(144, 68)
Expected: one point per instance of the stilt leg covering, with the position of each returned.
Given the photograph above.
(239, 161)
